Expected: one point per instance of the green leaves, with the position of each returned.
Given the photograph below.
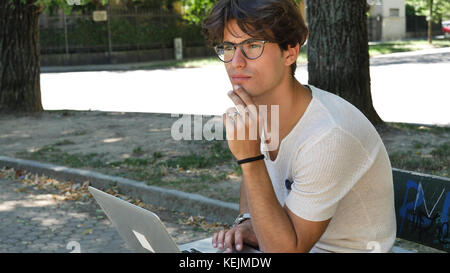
(441, 8)
(197, 10)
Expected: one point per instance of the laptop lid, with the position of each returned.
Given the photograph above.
(142, 230)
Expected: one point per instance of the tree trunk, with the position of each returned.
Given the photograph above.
(20, 89)
(430, 26)
(338, 51)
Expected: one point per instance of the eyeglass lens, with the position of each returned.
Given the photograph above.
(252, 50)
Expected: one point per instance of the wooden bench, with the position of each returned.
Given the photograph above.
(422, 207)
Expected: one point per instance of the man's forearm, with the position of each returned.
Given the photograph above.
(243, 203)
(270, 222)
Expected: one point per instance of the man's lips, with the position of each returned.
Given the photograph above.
(240, 78)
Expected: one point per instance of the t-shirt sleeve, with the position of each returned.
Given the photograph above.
(324, 172)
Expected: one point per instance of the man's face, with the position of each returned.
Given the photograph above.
(262, 74)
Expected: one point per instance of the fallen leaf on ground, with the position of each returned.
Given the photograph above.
(87, 231)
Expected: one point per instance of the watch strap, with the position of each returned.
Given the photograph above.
(241, 218)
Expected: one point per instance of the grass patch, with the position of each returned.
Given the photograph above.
(157, 155)
(64, 142)
(138, 162)
(439, 130)
(418, 145)
(436, 164)
(52, 154)
(79, 133)
(403, 46)
(412, 161)
(138, 151)
(386, 48)
(152, 170)
(217, 152)
(194, 184)
(237, 170)
(188, 162)
(442, 151)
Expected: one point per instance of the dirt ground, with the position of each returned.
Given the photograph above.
(140, 146)
(116, 144)
(44, 196)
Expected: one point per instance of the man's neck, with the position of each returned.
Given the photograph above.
(288, 96)
(283, 94)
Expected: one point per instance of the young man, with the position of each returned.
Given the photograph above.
(327, 185)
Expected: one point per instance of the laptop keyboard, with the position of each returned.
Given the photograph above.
(192, 250)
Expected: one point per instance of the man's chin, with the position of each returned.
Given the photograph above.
(249, 90)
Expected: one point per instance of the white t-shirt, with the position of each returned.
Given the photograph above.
(339, 169)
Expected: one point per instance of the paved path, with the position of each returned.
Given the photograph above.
(33, 221)
(36, 222)
(406, 87)
(412, 86)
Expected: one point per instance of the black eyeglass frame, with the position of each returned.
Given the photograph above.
(241, 48)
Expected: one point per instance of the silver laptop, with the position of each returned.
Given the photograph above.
(143, 231)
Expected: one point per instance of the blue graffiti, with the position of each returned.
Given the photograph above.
(424, 220)
(443, 232)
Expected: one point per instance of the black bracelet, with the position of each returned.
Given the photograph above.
(250, 159)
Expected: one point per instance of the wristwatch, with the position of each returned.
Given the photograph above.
(241, 218)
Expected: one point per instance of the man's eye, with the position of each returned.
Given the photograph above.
(228, 48)
(254, 45)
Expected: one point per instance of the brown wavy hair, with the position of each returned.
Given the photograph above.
(279, 21)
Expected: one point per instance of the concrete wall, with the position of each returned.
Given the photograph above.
(122, 56)
(393, 28)
(394, 25)
(393, 17)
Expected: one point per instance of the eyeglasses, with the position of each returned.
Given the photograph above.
(251, 49)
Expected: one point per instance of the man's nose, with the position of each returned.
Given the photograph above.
(238, 58)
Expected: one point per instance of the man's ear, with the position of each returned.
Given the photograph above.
(291, 54)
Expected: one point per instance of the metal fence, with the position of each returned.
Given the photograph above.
(419, 24)
(123, 30)
(374, 28)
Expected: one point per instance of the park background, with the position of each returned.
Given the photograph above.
(110, 80)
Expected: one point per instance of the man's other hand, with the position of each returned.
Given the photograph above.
(236, 236)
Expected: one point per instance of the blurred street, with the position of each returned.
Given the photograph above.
(407, 87)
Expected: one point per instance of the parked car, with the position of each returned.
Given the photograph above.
(446, 28)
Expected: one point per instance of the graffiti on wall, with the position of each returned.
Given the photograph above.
(423, 216)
